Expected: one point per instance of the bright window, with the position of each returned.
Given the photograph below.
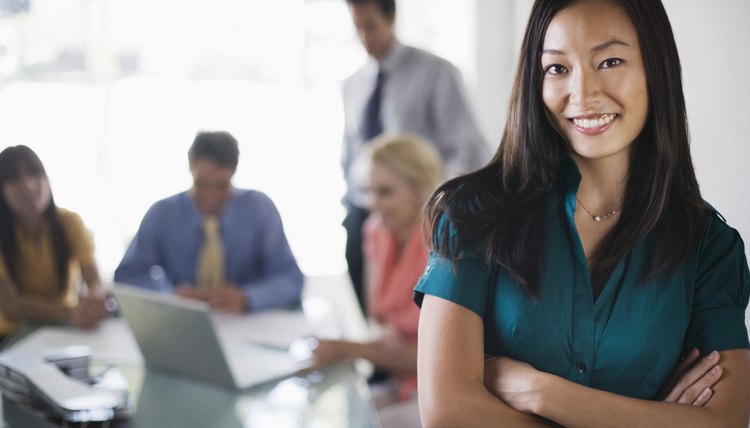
(111, 93)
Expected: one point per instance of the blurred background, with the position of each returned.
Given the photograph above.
(110, 94)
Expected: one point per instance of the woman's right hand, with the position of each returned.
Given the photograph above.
(693, 379)
(327, 352)
(91, 310)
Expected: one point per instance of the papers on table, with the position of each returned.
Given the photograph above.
(276, 329)
(111, 342)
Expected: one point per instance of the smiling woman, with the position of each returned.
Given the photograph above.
(582, 316)
(594, 85)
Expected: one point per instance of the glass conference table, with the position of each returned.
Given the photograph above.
(337, 396)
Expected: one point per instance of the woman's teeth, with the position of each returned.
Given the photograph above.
(594, 123)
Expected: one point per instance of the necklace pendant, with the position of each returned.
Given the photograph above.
(597, 218)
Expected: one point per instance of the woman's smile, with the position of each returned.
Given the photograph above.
(593, 124)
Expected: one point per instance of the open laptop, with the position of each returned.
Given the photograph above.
(178, 335)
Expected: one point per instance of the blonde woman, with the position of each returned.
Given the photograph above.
(404, 171)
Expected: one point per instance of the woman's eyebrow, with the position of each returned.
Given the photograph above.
(597, 48)
(607, 44)
(552, 52)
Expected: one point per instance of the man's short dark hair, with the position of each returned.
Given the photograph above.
(388, 7)
(220, 147)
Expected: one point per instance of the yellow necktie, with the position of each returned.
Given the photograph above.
(211, 258)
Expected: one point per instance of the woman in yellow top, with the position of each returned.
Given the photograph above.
(44, 251)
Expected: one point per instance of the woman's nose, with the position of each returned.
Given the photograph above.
(29, 183)
(585, 88)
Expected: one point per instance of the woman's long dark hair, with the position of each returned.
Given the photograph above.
(499, 211)
(13, 162)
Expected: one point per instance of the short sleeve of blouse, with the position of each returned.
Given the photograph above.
(722, 289)
(81, 241)
(464, 282)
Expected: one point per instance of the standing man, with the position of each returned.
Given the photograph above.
(214, 242)
(400, 88)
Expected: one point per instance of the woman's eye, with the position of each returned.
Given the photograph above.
(611, 62)
(555, 69)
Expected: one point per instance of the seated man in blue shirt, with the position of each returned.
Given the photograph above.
(214, 242)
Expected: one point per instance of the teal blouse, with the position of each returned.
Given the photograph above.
(630, 339)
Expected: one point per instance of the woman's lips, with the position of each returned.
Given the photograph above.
(593, 124)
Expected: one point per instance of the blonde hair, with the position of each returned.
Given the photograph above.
(411, 157)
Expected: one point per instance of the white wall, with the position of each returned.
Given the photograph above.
(712, 40)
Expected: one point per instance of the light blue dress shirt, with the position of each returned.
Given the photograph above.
(422, 94)
(165, 250)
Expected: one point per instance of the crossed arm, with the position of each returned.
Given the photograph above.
(451, 336)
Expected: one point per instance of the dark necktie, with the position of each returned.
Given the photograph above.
(373, 123)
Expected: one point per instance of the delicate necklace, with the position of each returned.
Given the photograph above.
(594, 216)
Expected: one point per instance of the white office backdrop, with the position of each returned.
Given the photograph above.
(712, 38)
